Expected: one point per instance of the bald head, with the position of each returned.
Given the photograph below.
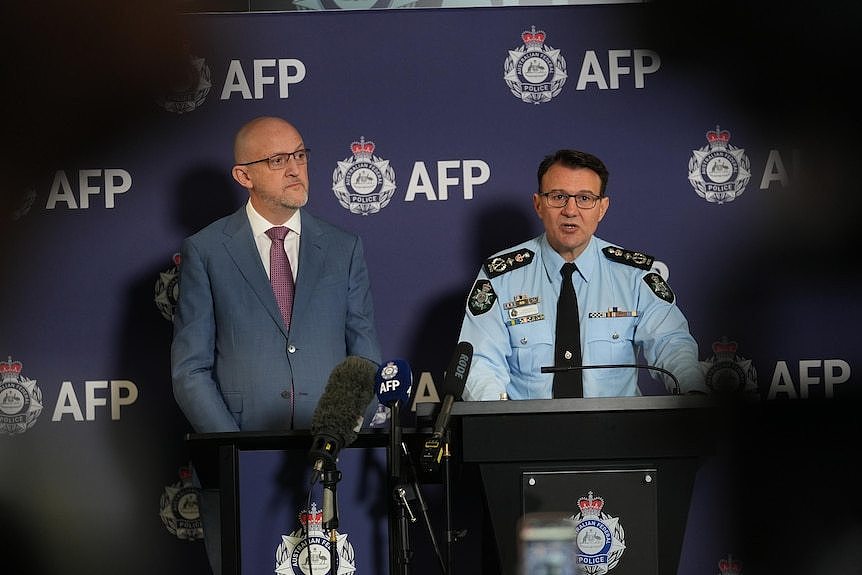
(255, 139)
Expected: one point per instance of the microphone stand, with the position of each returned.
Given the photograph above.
(677, 390)
(399, 532)
(331, 477)
(449, 569)
(424, 509)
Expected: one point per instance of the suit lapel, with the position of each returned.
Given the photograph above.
(312, 253)
(240, 245)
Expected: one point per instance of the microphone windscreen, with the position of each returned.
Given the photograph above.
(394, 381)
(459, 366)
(342, 406)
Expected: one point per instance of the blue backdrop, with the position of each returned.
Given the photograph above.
(728, 163)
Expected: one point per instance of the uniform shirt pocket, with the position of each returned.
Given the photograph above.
(532, 348)
(609, 340)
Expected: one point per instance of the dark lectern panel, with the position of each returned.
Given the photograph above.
(618, 525)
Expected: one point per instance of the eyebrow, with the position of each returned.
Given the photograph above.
(578, 193)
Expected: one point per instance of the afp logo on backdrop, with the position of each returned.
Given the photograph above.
(364, 183)
(720, 172)
(249, 80)
(535, 72)
(22, 402)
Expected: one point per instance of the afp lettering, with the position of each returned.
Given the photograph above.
(107, 183)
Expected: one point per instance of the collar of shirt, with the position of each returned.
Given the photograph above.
(553, 261)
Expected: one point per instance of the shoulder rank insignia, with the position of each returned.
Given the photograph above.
(501, 264)
(481, 298)
(659, 287)
(628, 257)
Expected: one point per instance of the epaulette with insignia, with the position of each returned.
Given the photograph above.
(628, 257)
(659, 287)
(501, 264)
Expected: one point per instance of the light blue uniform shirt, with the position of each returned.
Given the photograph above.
(511, 313)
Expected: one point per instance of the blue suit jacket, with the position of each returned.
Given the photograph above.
(235, 367)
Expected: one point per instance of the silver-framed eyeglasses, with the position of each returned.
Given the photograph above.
(279, 161)
(560, 199)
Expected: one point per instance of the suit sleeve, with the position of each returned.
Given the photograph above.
(193, 349)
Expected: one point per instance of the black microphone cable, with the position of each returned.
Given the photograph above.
(677, 390)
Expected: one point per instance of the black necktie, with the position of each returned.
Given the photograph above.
(567, 341)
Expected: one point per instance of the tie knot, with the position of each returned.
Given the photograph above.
(568, 269)
(277, 233)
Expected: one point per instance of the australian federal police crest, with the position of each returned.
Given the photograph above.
(167, 290)
(192, 88)
(20, 399)
(727, 371)
(309, 549)
(719, 171)
(600, 538)
(363, 183)
(535, 72)
(179, 508)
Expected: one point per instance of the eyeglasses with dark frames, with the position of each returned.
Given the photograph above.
(279, 161)
(560, 199)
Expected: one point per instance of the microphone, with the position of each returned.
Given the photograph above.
(393, 381)
(677, 390)
(454, 381)
(340, 411)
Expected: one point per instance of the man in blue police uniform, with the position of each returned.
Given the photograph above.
(511, 310)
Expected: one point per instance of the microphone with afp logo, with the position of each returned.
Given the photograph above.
(394, 381)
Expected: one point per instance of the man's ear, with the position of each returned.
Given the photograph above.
(604, 204)
(240, 174)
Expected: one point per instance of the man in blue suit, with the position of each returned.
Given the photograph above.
(236, 363)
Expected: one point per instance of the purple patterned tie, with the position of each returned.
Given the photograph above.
(280, 274)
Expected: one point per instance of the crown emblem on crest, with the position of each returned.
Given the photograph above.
(312, 521)
(10, 368)
(730, 566)
(718, 137)
(533, 40)
(362, 150)
(723, 346)
(590, 506)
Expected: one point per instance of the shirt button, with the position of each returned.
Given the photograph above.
(286, 394)
(615, 335)
(291, 348)
(523, 341)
